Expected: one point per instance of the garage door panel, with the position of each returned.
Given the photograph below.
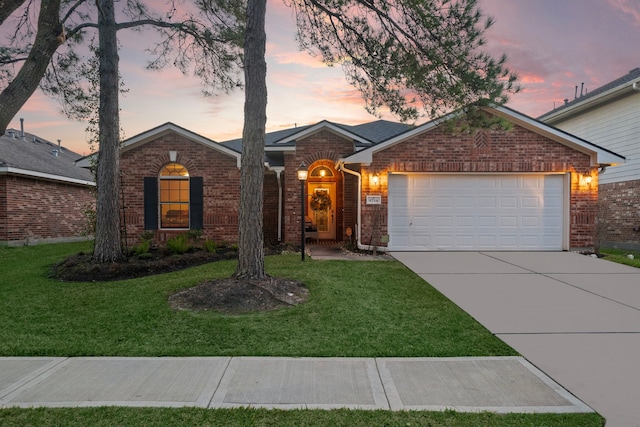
(508, 222)
(472, 212)
(531, 202)
(531, 221)
(465, 221)
(509, 202)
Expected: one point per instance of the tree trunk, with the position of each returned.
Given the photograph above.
(250, 232)
(108, 247)
(48, 38)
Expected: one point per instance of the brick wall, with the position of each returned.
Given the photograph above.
(620, 209)
(221, 182)
(514, 151)
(34, 210)
(270, 208)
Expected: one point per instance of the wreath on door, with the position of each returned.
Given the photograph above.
(320, 201)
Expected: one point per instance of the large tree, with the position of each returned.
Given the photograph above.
(203, 38)
(250, 233)
(49, 36)
(415, 57)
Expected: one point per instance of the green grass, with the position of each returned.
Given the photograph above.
(365, 309)
(98, 417)
(356, 309)
(620, 256)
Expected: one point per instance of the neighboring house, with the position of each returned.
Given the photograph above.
(610, 117)
(404, 187)
(43, 195)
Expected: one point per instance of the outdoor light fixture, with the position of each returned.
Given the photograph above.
(302, 172)
(375, 179)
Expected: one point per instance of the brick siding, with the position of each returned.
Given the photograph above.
(221, 180)
(34, 210)
(514, 151)
(620, 209)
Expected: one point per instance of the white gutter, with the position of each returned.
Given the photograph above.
(48, 176)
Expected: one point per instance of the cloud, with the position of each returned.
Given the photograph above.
(631, 9)
(304, 59)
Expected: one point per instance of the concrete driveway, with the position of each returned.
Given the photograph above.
(575, 317)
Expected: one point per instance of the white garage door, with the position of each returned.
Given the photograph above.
(476, 212)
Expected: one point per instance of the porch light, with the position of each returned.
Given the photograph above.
(375, 179)
(302, 172)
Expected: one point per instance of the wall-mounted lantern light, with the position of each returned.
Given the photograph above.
(375, 179)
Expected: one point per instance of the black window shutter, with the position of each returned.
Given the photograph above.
(196, 202)
(151, 203)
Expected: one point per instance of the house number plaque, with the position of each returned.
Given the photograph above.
(374, 200)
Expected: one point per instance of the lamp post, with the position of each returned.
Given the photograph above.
(302, 176)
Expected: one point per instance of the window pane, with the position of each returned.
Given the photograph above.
(174, 196)
(174, 215)
(174, 169)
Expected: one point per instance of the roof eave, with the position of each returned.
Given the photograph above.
(591, 102)
(47, 176)
(320, 126)
(599, 156)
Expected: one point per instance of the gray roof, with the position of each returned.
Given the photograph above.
(375, 132)
(37, 156)
(627, 78)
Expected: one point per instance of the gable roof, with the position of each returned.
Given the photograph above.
(363, 135)
(621, 86)
(164, 129)
(599, 155)
(36, 157)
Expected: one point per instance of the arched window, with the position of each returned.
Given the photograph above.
(321, 172)
(174, 196)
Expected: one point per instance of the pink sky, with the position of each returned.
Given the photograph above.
(553, 45)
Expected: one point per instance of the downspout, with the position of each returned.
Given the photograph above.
(340, 167)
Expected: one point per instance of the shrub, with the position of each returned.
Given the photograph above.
(210, 246)
(178, 244)
(142, 247)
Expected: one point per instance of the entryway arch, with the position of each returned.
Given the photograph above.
(324, 200)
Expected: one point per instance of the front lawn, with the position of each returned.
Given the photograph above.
(107, 417)
(364, 309)
(621, 256)
(355, 309)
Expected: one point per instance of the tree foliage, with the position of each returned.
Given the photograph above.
(416, 57)
(202, 37)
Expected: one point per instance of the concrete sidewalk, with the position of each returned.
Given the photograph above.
(575, 317)
(499, 384)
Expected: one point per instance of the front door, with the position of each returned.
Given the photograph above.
(322, 208)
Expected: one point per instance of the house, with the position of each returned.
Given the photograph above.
(385, 184)
(43, 195)
(610, 117)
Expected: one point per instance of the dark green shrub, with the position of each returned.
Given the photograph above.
(178, 244)
(142, 248)
(210, 246)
